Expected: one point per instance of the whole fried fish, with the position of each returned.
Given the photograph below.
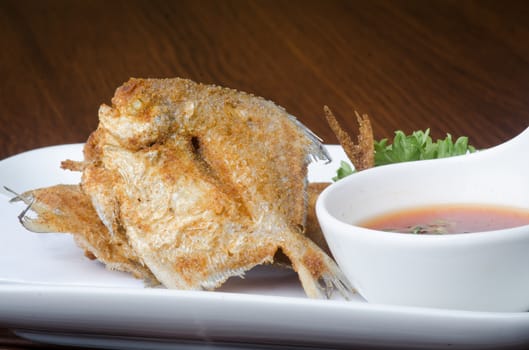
(193, 184)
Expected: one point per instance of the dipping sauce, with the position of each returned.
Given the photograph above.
(449, 219)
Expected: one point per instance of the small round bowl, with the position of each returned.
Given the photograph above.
(487, 271)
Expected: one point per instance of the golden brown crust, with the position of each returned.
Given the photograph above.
(362, 154)
(72, 165)
(312, 227)
(198, 183)
(242, 158)
(66, 209)
(366, 143)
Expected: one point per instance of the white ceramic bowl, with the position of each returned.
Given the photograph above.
(486, 271)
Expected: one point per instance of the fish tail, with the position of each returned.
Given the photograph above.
(318, 273)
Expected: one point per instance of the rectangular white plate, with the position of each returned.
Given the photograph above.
(50, 292)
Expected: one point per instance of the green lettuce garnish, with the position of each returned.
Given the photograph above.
(344, 170)
(405, 148)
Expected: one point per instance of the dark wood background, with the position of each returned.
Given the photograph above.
(459, 67)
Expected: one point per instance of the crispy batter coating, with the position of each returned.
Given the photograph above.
(203, 183)
(66, 209)
(312, 226)
(362, 154)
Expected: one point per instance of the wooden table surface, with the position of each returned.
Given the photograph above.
(458, 67)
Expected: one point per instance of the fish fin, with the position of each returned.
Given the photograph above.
(317, 151)
(318, 273)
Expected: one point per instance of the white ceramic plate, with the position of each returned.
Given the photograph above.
(50, 292)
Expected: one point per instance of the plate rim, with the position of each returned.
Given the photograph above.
(43, 294)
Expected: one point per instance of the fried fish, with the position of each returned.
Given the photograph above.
(195, 183)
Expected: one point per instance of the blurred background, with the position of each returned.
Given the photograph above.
(459, 67)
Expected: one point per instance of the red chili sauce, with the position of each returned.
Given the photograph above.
(448, 219)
